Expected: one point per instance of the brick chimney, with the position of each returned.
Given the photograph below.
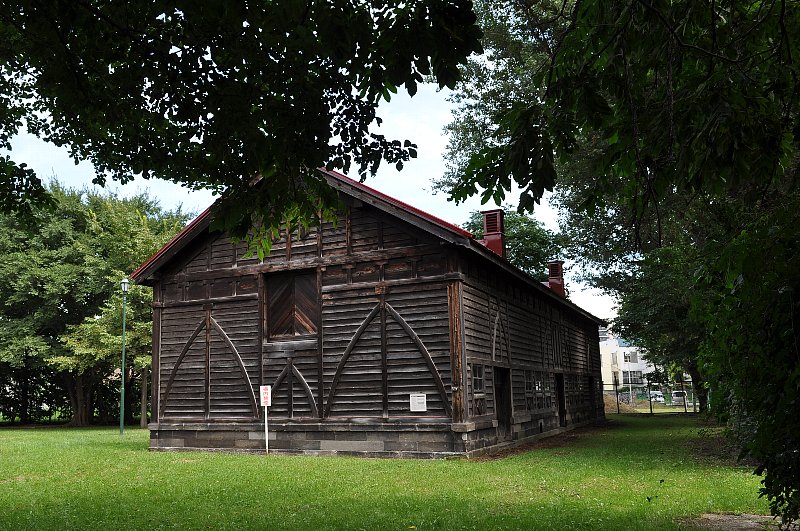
(555, 277)
(494, 232)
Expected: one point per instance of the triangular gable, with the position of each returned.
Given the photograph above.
(427, 222)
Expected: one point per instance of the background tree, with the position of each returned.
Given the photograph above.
(674, 130)
(751, 306)
(670, 96)
(492, 84)
(61, 267)
(529, 245)
(95, 343)
(655, 314)
(211, 94)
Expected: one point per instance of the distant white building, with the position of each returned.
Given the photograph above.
(621, 363)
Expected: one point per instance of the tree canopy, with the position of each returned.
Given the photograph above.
(670, 131)
(671, 96)
(58, 272)
(212, 94)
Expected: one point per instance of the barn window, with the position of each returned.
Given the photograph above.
(548, 387)
(477, 378)
(530, 401)
(478, 396)
(292, 305)
(528, 381)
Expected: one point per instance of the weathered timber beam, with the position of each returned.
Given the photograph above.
(454, 303)
(290, 346)
(389, 283)
(196, 302)
(364, 256)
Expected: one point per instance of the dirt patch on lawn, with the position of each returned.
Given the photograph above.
(18, 479)
(610, 404)
(714, 444)
(730, 521)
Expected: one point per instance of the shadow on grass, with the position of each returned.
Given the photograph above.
(642, 442)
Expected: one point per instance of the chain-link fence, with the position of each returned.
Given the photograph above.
(678, 398)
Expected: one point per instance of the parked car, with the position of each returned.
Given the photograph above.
(678, 398)
(657, 396)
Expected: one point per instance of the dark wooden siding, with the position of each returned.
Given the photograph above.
(230, 393)
(209, 359)
(187, 393)
(379, 287)
(510, 324)
(414, 319)
(293, 371)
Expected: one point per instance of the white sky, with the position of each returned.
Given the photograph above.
(420, 120)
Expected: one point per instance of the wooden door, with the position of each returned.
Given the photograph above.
(561, 401)
(502, 400)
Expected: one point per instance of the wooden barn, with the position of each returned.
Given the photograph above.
(389, 333)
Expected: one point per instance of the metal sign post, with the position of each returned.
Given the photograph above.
(266, 401)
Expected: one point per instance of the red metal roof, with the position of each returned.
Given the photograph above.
(201, 222)
(202, 219)
(396, 202)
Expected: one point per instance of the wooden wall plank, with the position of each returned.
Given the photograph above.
(543, 339)
(209, 382)
(361, 381)
(460, 310)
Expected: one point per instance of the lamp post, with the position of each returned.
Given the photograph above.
(124, 285)
(630, 380)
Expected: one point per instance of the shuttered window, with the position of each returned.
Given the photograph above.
(292, 305)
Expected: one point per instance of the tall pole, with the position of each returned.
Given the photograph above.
(685, 396)
(630, 381)
(124, 286)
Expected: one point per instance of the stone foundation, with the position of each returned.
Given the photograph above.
(369, 439)
(359, 437)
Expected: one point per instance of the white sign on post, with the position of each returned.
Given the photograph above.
(266, 401)
(266, 395)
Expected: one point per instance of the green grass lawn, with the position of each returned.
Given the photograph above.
(639, 473)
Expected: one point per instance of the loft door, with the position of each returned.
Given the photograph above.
(292, 306)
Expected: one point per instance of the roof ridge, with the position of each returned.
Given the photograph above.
(397, 202)
(175, 240)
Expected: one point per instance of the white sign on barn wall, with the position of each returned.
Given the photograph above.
(418, 402)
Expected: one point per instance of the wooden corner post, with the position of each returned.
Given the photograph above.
(454, 298)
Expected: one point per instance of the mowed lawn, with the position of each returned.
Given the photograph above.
(638, 473)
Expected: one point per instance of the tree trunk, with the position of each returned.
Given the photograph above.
(25, 395)
(79, 399)
(698, 383)
(143, 420)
